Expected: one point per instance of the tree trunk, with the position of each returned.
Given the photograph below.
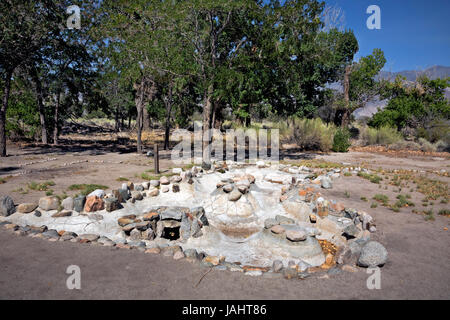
(346, 115)
(41, 108)
(116, 120)
(167, 124)
(146, 120)
(3, 109)
(56, 119)
(207, 124)
(139, 100)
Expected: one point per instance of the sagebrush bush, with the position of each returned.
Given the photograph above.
(341, 140)
(382, 136)
(426, 146)
(313, 134)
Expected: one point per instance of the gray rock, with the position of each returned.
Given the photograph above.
(135, 235)
(68, 236)
(49, 203)
(139, 187)
(52, 233)
(326, 183)
(199, 213)
(235, 195)
(124, 193)
(37, 213)
(175, 179)
(136, 195)
(334, 271)
(284, 220)
(351, 231)
(112, 204)
(277, 266)
(154, 183)
(303, 266)
(171, 214)
(78, 203)
(351, 213)
(185, 228)
(148, 234)
(68, 203)
(270, 222)
(7, 206)
(373, 254)
(191, 253)
(89, 237)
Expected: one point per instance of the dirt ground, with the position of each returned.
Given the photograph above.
(419, 252)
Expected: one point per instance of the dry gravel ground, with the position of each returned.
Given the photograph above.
(30, 268)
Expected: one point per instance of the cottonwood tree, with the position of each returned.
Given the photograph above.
(26, 26)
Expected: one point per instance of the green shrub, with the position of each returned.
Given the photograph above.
(381, 136)
(312, 134)
(426, 146)
(341, 140)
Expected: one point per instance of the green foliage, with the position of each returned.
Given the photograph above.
(371, 177)
(383, 199)
(341, 140)
(312, 134)
(423, 107)
(40, 186)
(380, 136)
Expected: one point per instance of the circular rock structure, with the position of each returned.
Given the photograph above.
(249, 217)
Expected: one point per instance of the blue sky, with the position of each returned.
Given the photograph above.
(414, 34)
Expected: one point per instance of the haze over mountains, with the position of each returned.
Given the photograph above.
(434, 72)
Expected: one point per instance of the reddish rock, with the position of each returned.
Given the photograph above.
(153, 250)
(94, 203)
(212, 259)
(150, 216)
(253, 268)
(338, 207)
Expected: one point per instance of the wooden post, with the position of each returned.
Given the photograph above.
(156, 158)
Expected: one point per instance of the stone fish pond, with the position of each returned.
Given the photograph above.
(252, 215)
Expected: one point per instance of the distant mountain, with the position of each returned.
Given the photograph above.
(433, 73)
(412, 75)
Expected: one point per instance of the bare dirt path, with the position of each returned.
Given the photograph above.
(419, 251)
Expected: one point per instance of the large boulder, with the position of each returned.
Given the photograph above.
(68, 203)
(373, 254)
(112, 204)
(78, 203)
(49, 203)
(6, 206)
(26, 207)
(94, 204)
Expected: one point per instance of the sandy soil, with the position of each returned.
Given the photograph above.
(419, 254)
